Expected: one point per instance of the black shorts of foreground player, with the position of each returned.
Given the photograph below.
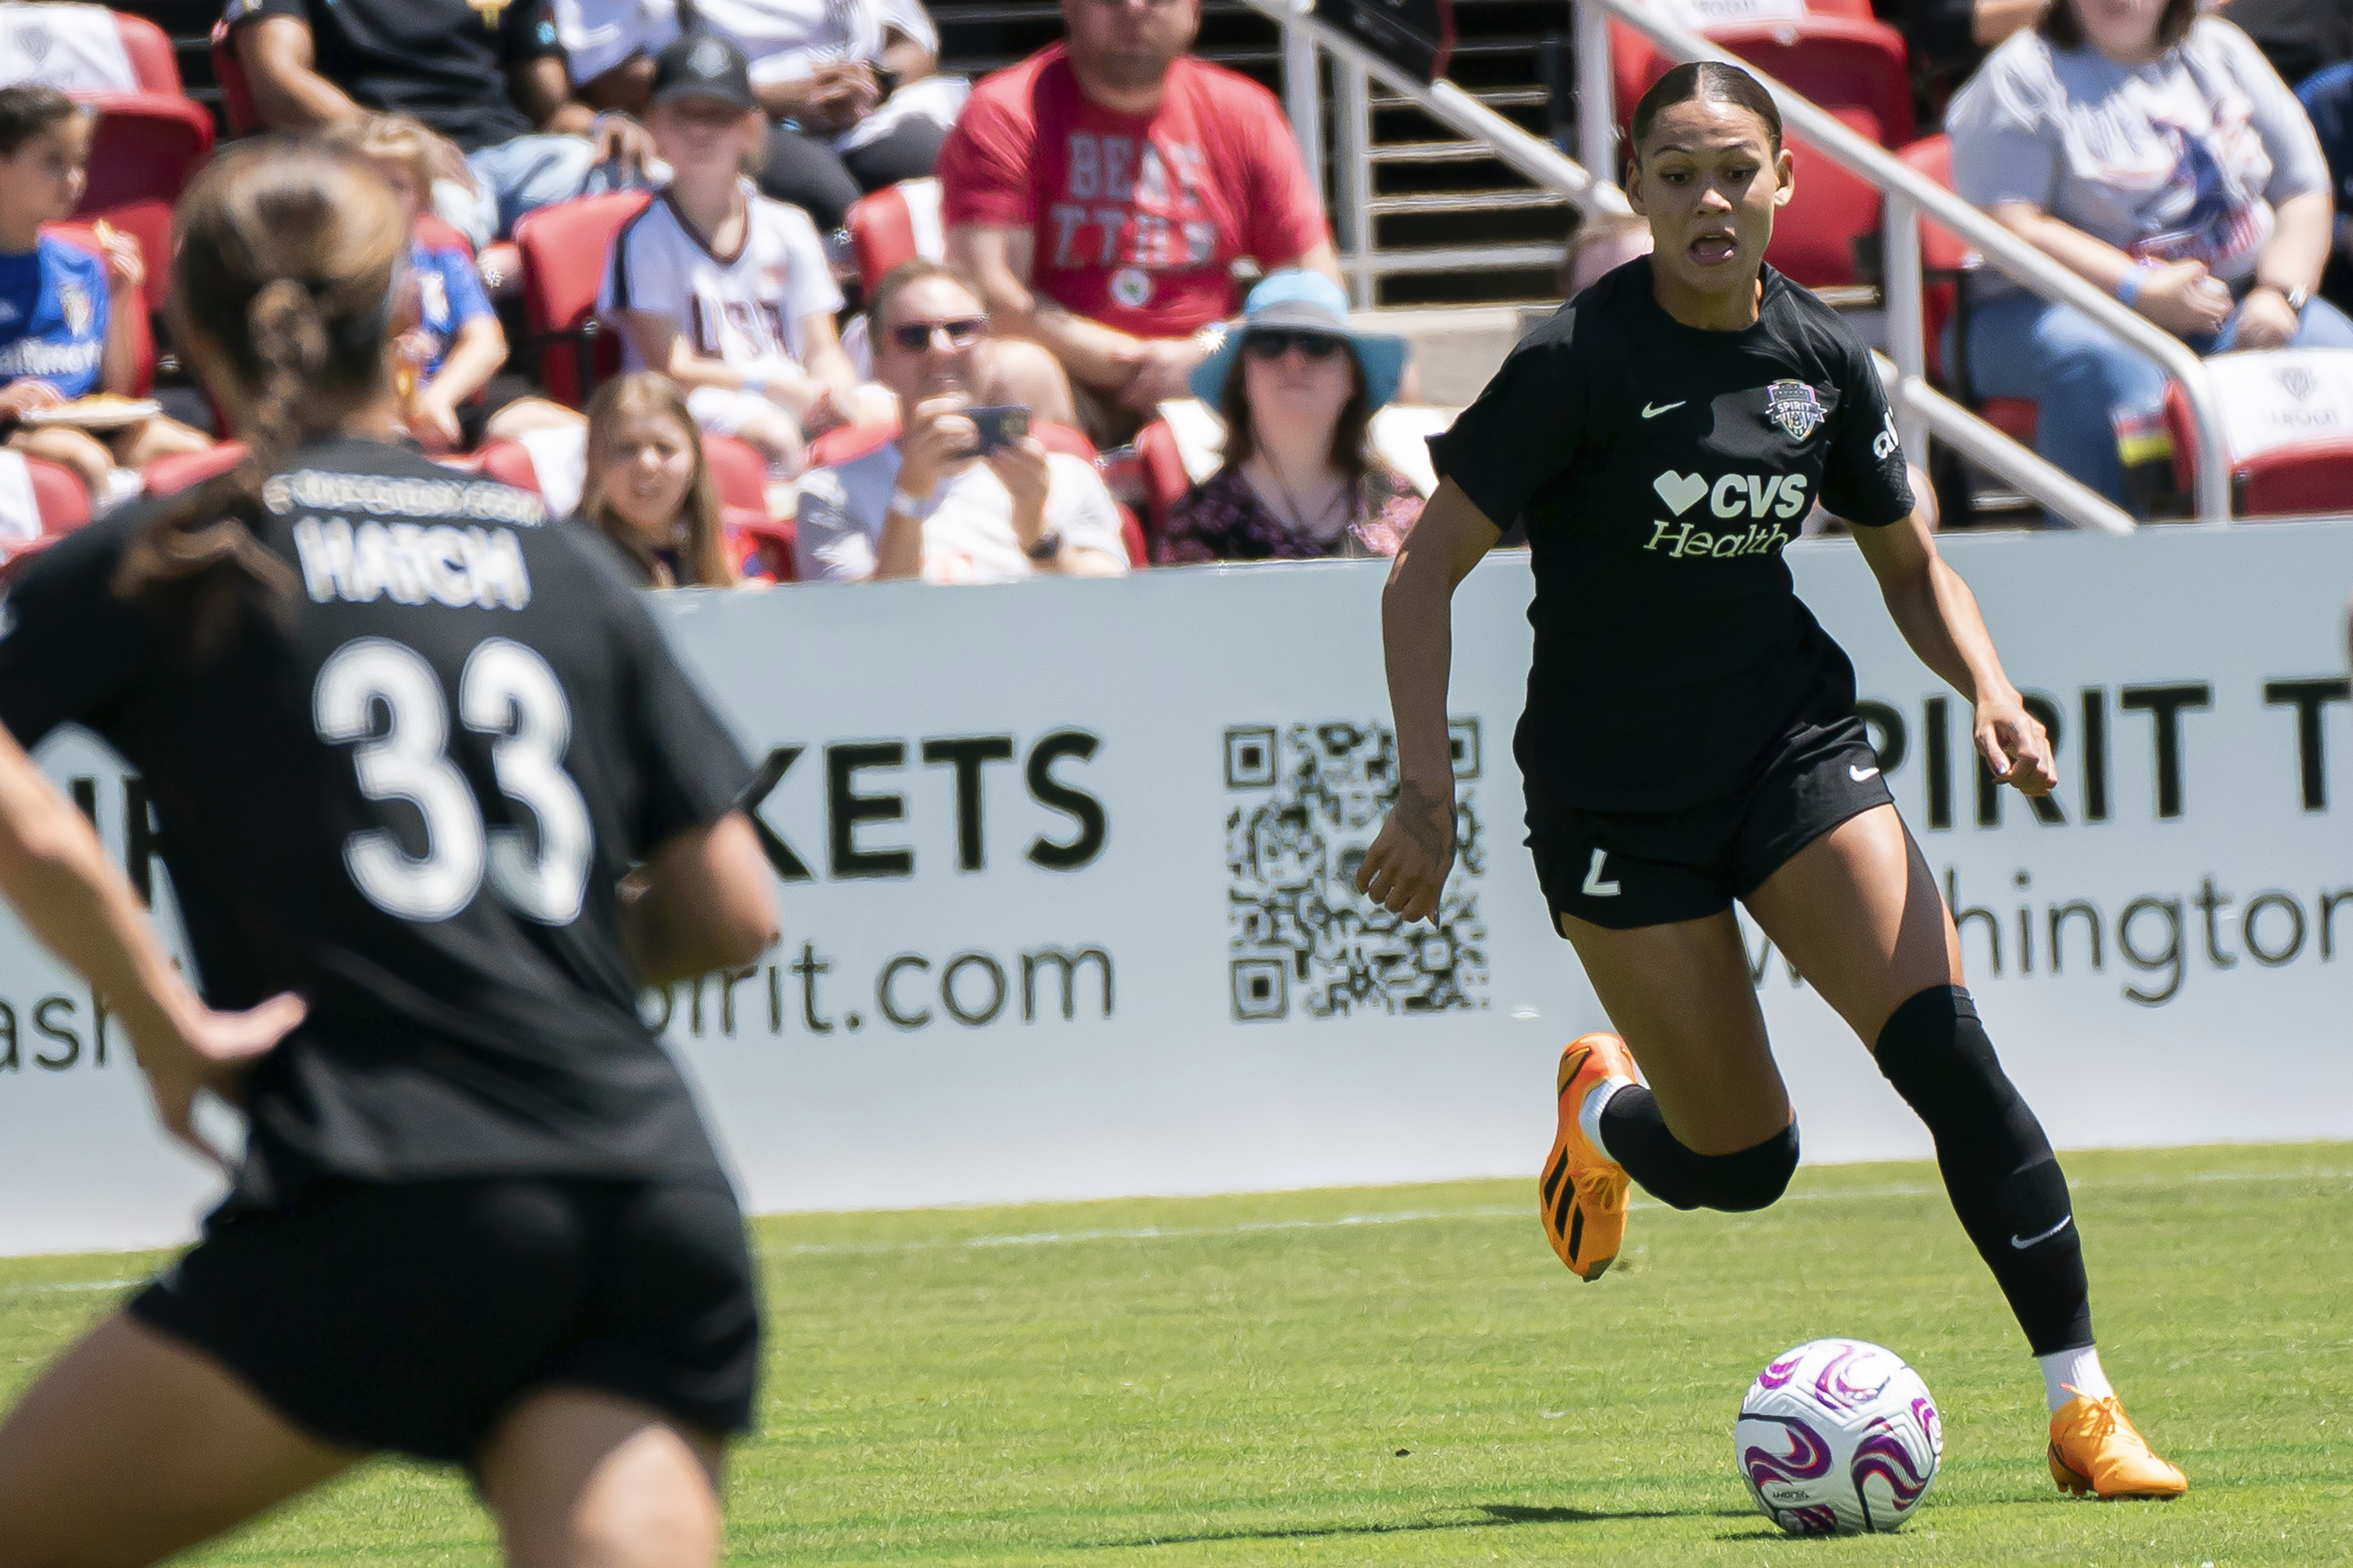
(1689, 738)
(437, 801)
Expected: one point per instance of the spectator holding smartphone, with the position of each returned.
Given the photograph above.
(930, 503)
(453, 346)
(724, 290)
(1100, 191)
(648, 488)
(68, 319)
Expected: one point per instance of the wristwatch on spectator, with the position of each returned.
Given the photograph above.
(910, 509)
(1049, 545)
(2296, 297)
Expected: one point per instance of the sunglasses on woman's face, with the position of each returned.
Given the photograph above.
(1273, 346)
(962, 333)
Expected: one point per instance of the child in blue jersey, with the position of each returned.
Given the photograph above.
(454, 345)
(66, 314)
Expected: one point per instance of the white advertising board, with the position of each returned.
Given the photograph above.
(1065, 876)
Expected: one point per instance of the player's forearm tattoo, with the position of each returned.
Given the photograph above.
(1423, 818)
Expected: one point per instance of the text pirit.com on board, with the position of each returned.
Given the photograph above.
(867, 816)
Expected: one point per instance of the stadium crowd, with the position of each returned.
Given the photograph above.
(1056, 361)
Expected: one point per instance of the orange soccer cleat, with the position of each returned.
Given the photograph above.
(1583, 1189)
(2097, 1450)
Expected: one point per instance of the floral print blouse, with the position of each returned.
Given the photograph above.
(1224, 520)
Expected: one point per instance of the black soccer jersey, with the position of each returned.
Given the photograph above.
(411, 801)
(1660, 471)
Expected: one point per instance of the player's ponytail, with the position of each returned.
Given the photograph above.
(285, 257)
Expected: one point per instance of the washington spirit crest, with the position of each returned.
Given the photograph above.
(1793, 406)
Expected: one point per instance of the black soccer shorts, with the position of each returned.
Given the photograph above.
(413, 1316)
(1624, 869)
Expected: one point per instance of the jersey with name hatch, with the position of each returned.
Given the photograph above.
(411, 800)
(1662, 470)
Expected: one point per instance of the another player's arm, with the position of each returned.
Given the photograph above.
(64, 888)
(1939, 618)
(700, 902)
(1406, 869)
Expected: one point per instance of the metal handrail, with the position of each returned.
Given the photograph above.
(1909, 194)
(1532, 156)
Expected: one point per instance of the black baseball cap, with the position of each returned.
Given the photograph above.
(704, 65)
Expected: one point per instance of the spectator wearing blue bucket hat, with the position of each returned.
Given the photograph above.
(1297, 386)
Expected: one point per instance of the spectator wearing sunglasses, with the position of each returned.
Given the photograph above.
(928, 503)
(1298, 387)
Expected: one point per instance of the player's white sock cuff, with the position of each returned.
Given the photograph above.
(2066, 1374)
(1588, 1115)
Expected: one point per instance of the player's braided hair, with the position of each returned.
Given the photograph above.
(298, 244)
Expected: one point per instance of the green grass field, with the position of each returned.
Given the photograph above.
(1404, 1375)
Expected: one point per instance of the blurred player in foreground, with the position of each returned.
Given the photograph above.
(438, 800)
(1691, 738)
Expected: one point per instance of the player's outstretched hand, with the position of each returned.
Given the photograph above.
(1404, 872)
(209, 1050)
(2015, 747)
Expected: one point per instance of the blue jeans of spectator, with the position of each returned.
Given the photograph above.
(515, 177)
(2089, 385)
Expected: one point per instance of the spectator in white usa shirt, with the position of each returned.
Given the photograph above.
(926, 505)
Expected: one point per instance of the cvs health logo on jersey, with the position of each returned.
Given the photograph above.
(1733, 498)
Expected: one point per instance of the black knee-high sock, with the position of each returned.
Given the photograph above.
(1636, 1136)
(1999, 1170)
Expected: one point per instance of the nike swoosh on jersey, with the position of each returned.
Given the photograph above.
(1650, 413)
(1859, 775)
(2064, 1221)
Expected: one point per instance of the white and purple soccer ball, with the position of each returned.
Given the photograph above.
(1838, 1437)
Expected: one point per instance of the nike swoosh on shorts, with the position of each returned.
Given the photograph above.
(1650, 413)
(2064, 1221)
(1859, 775)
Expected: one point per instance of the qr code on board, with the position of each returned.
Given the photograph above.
(1313, 800)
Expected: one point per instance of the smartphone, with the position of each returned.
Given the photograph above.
(999, 424)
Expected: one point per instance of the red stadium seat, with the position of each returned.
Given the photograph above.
(237, 93)
(509, 462)
(62, 503)
(143, 331)
(169, 476)
(1814, 236)
(564, 249)
(2291, 480)
(896, 224)
(153, 59)
(1163, 473)
(1948, 263)
(1838, 61)
(145, 147)
(847, 444)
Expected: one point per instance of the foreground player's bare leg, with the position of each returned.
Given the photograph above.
(128, 1403)
(583, 1480)
(1858, 913)
(1681, 996)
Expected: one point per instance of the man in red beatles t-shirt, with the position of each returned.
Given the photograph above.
(1100, 190)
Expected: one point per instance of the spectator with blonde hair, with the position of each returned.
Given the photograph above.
(648, 487)
(453, 346)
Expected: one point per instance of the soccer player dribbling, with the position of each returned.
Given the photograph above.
(435, 800)
(1691, 739)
